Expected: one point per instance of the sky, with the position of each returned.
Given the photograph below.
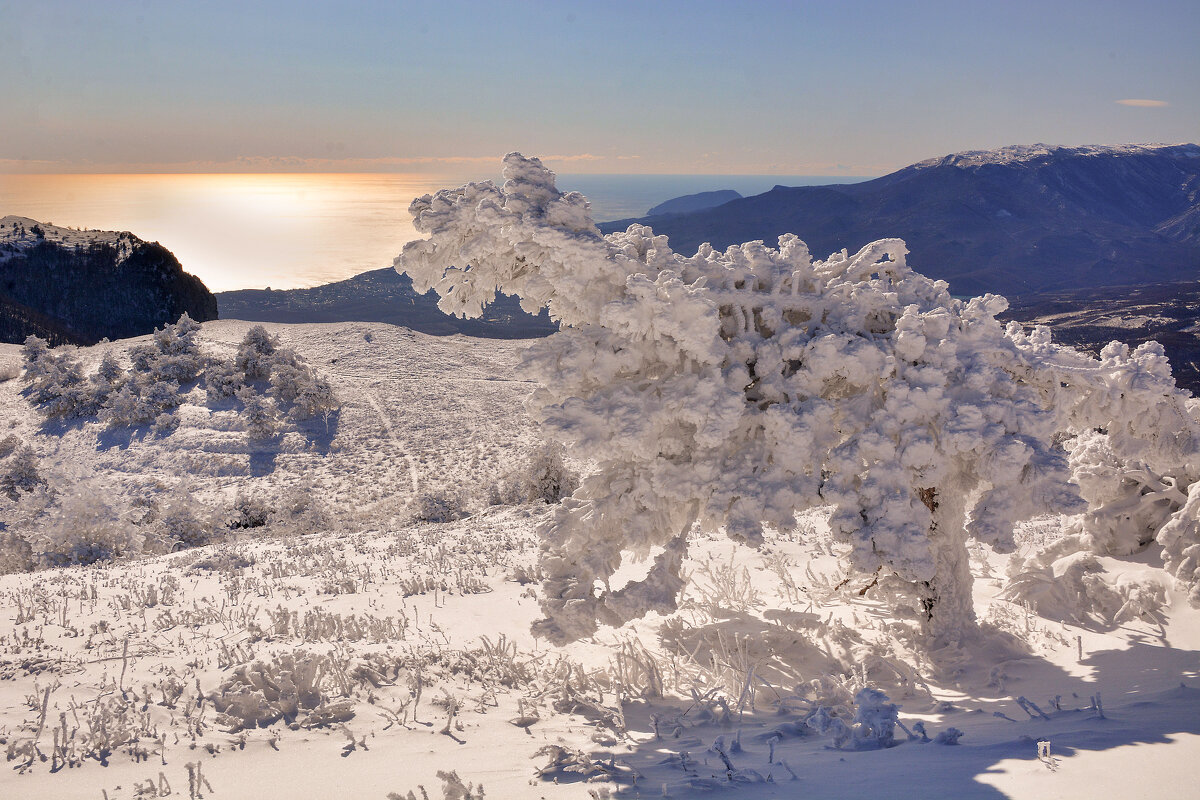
(798, 88)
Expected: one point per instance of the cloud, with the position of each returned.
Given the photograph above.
(27, 165)
(1143, 103)
(247, 164)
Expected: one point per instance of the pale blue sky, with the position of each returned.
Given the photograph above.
(854, 88)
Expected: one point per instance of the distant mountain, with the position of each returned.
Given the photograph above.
(1168, 313)
(694, 202)
(1015, 221)
(381, 295)
(78, 287)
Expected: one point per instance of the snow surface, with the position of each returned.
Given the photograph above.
(761, 640)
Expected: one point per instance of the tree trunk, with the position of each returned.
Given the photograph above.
(947, 599)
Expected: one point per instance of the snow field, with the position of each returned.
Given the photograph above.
(367, 656)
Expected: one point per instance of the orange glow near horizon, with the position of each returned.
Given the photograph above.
(240, 230)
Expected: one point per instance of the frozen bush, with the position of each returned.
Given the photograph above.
(35, 355)
(109, 373)
(184, 522)
(137, 403)
(1134, 442)
(82, 529)
(546, 478)
(1180, 540)
(301, 511)
(508, 491)
(164, 423)
(1075, 587)
(292, 687)
(254, 353)
(9, 369)
(159, 396)
(249, 511)
(122, 408)
(258, 418)
(15, 553)
(874, 719)
(873, 725)
(56, 381)
(440, 505)
(287, 374)
(20, 472)
(222, 381)
(174, 355)
(315, 398)
(9, 444)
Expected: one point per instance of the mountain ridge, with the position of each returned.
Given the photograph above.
(1016, 220)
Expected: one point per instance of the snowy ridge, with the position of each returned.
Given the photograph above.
(1028, 153)
(22, 233)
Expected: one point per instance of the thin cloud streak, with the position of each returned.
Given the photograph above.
(1143, 103)
(267, 164)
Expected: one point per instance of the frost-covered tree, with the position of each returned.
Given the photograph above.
(738, 388)
(82, 528)
(258, 417)
(20, 473)
(1134, 444)
(56, 382)
(255, 352)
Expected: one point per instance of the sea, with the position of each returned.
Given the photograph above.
(285, 231)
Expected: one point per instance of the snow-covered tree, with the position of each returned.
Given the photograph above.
(255, 352)
(20, 473)
(56, 382)
(258, 417)
(82, 528)
(738, 388)
(1134, 444)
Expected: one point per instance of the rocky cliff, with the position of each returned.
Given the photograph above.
(81, 286)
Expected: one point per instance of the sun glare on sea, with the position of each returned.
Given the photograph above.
(239, 231)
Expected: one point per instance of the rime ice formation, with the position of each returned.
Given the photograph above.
(735, 389)
(1134, 448)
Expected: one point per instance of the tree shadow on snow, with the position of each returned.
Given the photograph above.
(263, 453)
(320, 431)
(121, 437)
(1147, 694)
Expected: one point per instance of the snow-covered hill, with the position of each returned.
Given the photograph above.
(359, 651)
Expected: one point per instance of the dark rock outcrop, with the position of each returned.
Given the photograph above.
(1015, 221)
(82, 286)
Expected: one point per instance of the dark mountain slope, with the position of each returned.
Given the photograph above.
(694, 202)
